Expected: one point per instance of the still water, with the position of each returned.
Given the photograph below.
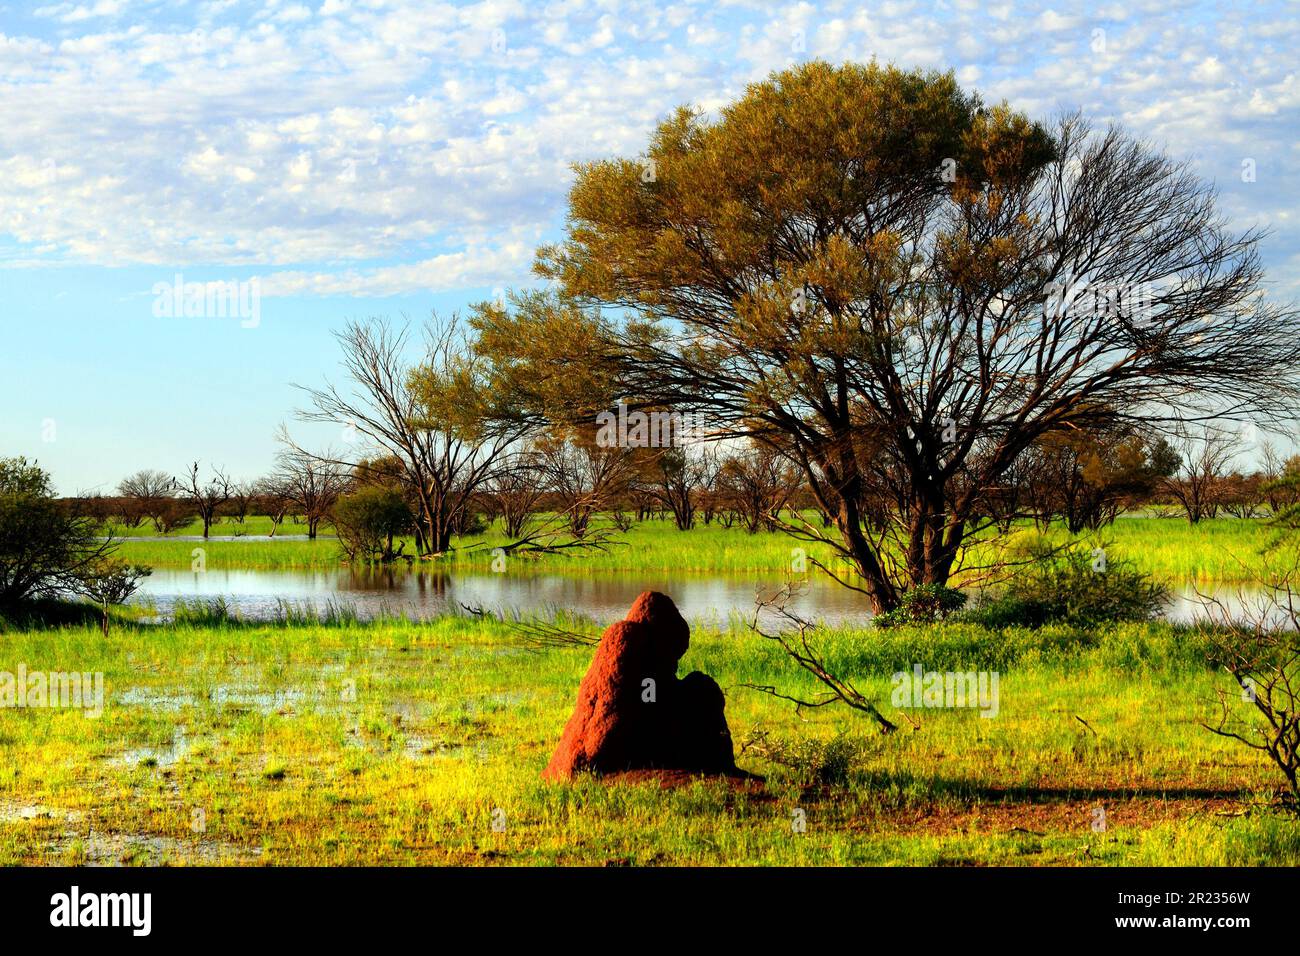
(703, 598)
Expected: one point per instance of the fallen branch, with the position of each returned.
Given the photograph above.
(797, 645)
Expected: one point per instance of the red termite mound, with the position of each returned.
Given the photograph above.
(632, 711)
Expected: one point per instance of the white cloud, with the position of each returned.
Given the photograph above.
(478, 265)
(1209, 70)
(364, 145)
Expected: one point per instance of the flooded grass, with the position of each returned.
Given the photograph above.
(1219, 549)
(401, 743)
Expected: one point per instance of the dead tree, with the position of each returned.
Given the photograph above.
(756, 484)
(1198, 485)
(205, 497)
(676, 478)
(243, 494)
(275, 500)
(311, 484)
(435, 415)
(584, 477)
(516, 489)
(1259, 646)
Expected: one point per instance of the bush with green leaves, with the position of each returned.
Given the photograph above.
(46, 548)
(369, 521)
(1076, 586)
(110, 581)
(923, 604)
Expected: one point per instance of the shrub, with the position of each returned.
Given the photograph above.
(110, 581)
(45, 547)
(923, 604)
(1074, 587)
(369, 521)
(471, 523)
(829, 763)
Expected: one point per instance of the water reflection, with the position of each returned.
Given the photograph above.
(719, 600)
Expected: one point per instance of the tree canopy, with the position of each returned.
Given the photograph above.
(899, 288)
(46, 550)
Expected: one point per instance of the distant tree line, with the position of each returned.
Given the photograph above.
(1080, 479)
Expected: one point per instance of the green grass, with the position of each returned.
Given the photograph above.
(1222, 549)
(254, 526)
(258, 555)
(394, 742)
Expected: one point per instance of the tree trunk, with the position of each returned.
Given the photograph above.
(883, 594)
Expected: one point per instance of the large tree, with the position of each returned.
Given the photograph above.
(901, 289)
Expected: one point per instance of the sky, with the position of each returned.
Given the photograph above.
(355, 158)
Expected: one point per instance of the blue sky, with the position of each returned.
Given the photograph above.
(388, 158)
